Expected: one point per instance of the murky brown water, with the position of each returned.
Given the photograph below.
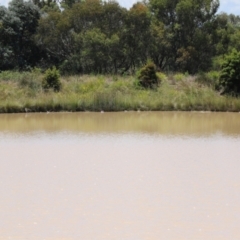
(120, 176)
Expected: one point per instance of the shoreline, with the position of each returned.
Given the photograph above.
(120, 111)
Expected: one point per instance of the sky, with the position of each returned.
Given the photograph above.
(229, 6)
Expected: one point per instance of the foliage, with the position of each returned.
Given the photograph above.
(18, 24)
(137, 35)
(54, 37)
(52, 80)
(230, 73)
(147, 76)
(210, 79)
(188, 31)
(98, 92)
(95, 36)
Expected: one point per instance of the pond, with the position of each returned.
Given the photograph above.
(120, 176)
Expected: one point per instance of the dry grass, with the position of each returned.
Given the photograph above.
(20, 92)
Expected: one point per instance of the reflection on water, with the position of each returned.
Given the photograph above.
(120, 176)
(174, 123)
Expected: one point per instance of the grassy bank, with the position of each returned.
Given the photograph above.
(21, 92)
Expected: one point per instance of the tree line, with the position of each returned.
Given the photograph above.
(94, 36)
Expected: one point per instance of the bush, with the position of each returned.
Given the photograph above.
(230, 74)
(210, 79)
(52, 80)
(147, 76)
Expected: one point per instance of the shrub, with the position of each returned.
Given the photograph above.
(210, 79)
(147, 76)
(230, 74)
(52, 80)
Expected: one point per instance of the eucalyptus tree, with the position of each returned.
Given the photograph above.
(18, 24)
(43, 3)
(137, 35)
(189, 28)
(226, 37)
(55, 36)
(68, 3)
(103, 45)
(234, 22)
(6, 52)
(97, 28)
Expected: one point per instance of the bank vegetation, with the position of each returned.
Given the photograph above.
(91, 55)
(23, 92)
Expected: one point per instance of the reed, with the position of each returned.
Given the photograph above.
(22, 92)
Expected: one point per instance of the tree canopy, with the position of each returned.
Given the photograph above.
(101, 36)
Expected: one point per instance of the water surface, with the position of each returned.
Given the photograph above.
(120, 176)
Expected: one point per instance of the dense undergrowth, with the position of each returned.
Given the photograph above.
(23, 92)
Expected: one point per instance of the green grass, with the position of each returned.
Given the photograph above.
(21, 92)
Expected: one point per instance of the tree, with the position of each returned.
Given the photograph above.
(188, 25)
(69, 3)
(86, 15)
(18, 25)
(43, 4)
(55, 36)
(97, 28)
(137, 35)
(160, 46)
(6, 52)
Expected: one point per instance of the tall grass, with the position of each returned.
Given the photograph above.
(22, 92)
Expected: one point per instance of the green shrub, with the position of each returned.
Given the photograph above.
(213, 76)
(230, 74)
(147, 76)
(217, 63)
(52, 80)
(210, 79)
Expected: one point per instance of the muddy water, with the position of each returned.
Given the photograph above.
(120, 176)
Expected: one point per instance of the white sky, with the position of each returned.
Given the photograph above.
(229, 6)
